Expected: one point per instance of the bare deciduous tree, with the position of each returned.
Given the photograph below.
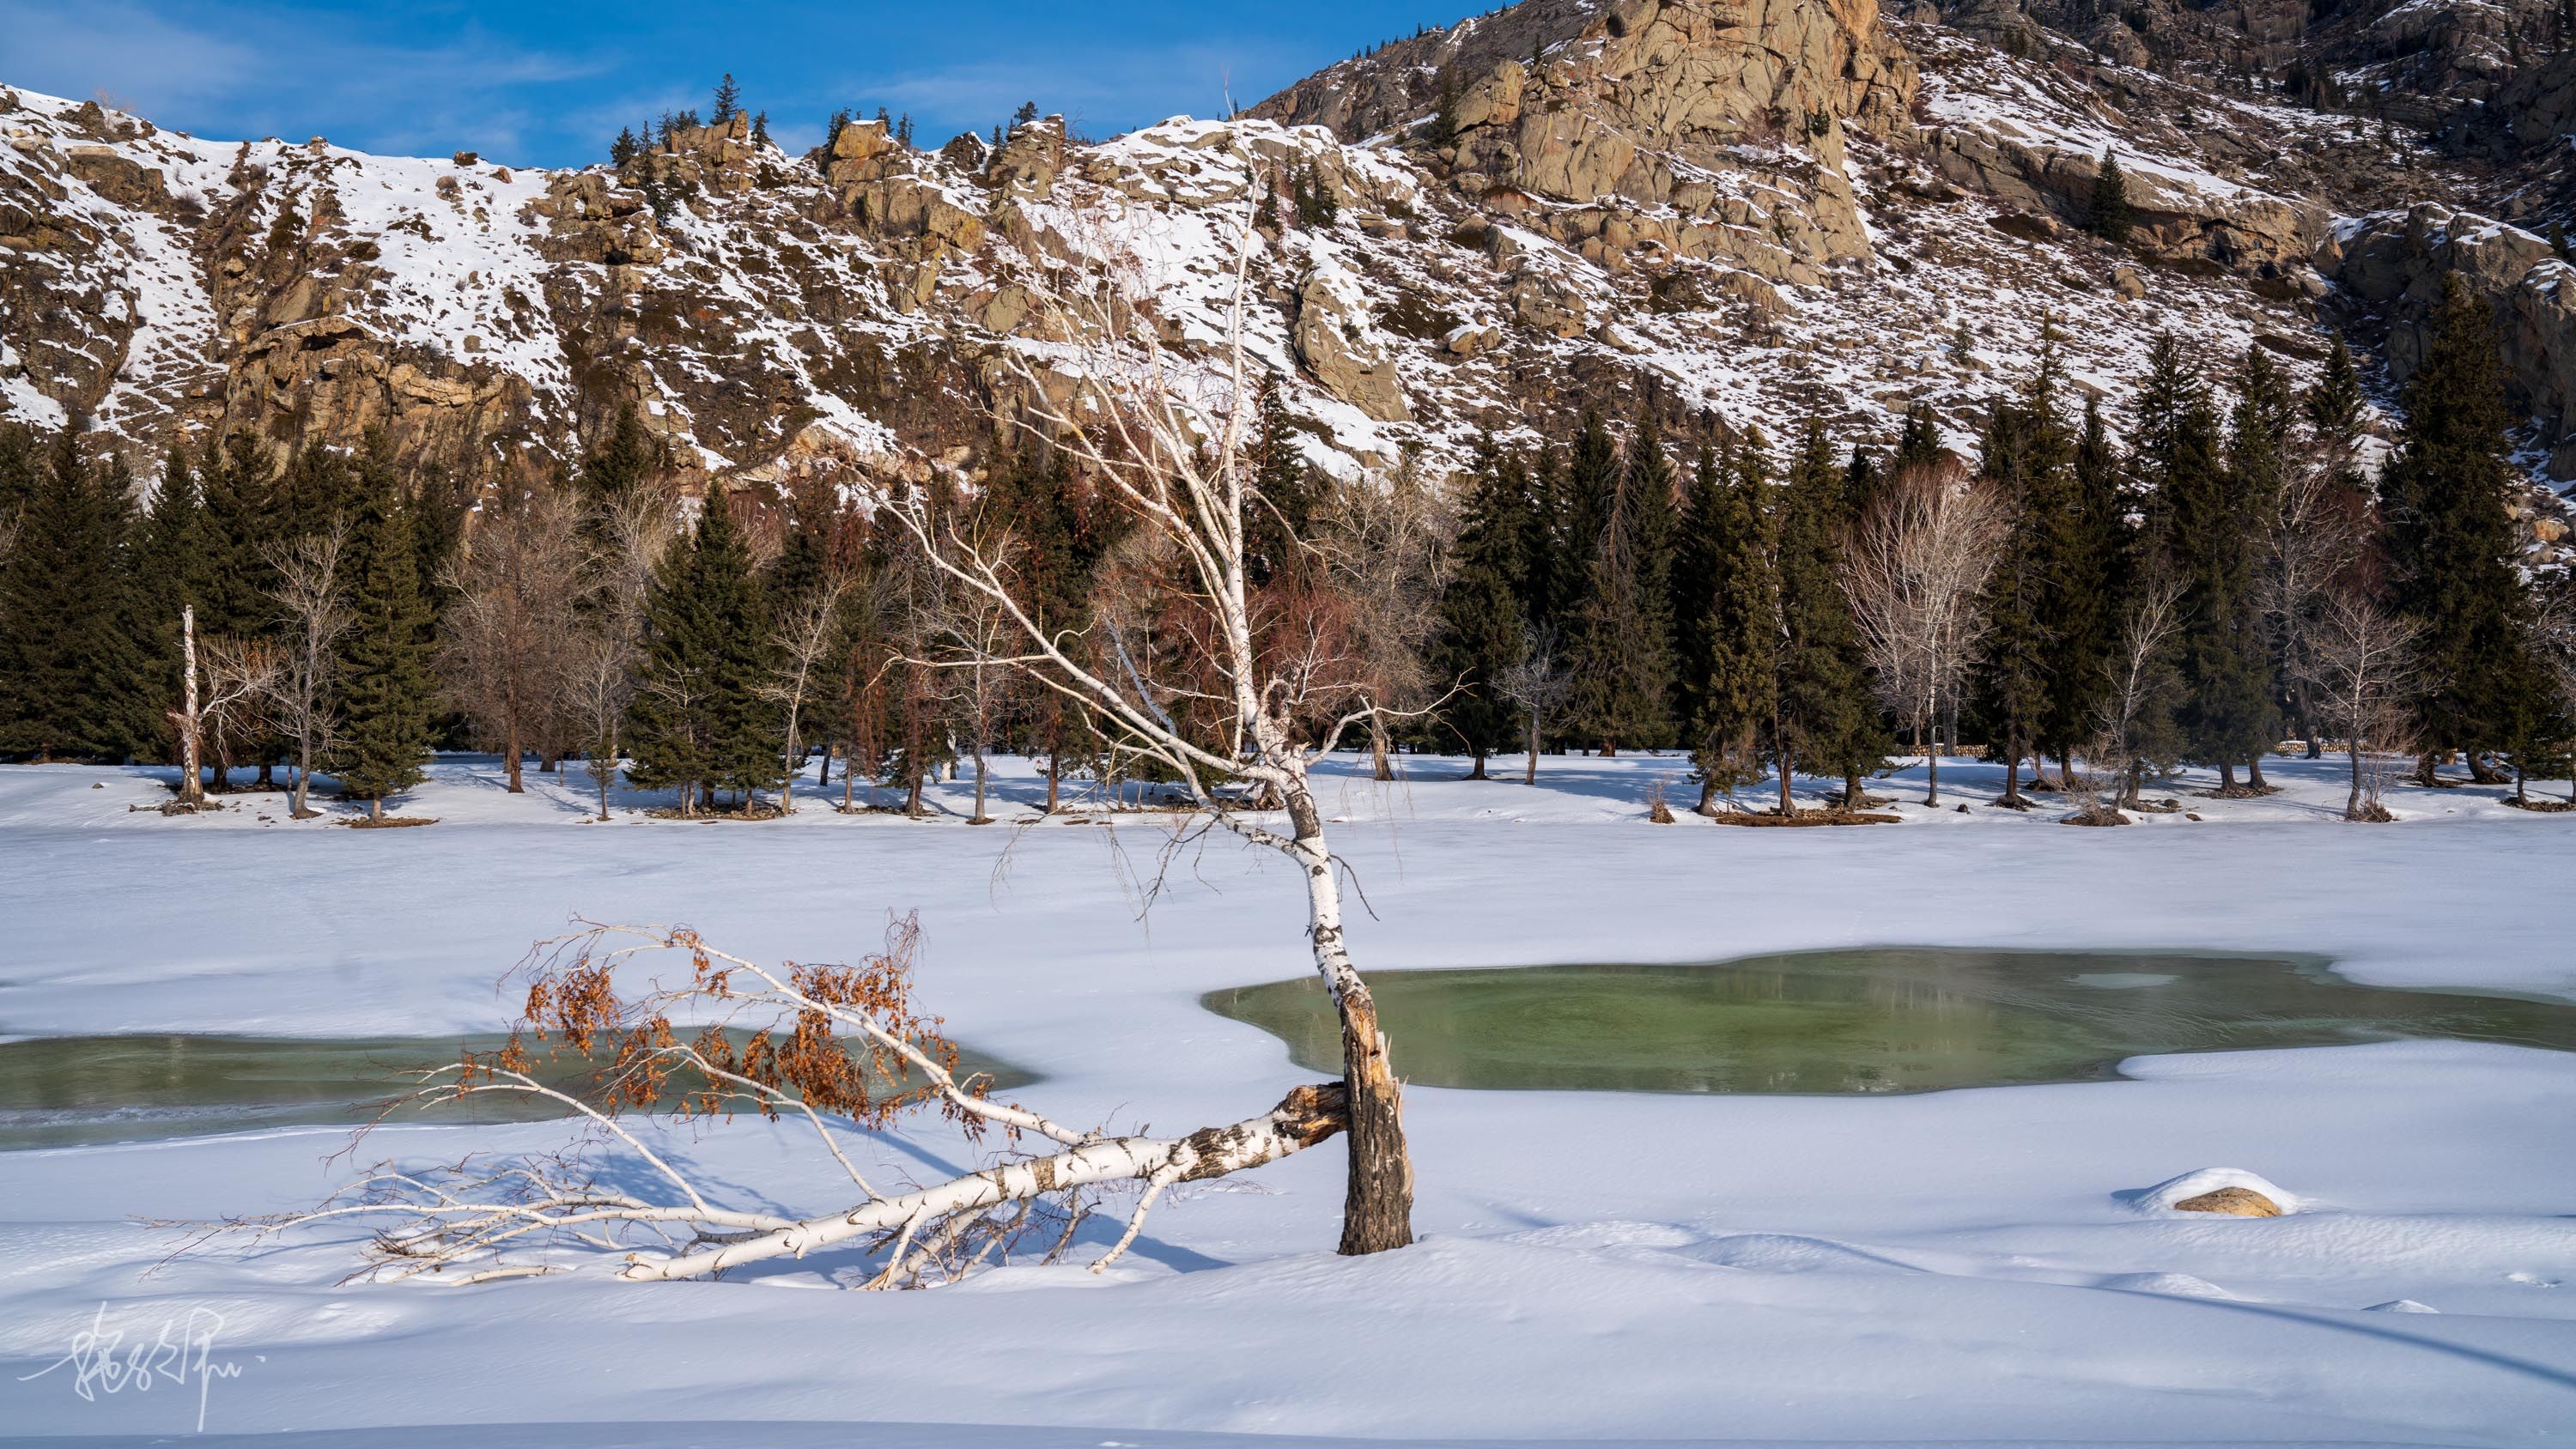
(821, 1046)
(1915, 566)
(2132, 727)
(510, 637)
(2314, 536)
(241, 678)
(2365, 668)
(1542, 684)
(803, 645)
(1384, 540)
(313, 596)
(629, 538)
(1166, 438)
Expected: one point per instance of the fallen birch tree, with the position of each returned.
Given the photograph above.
(838, 1048)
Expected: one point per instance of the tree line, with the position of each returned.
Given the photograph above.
(2232, 573)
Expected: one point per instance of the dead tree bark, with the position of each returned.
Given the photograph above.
(1235, 705)
(825, 1044)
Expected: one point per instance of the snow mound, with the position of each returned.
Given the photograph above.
(2162, 1197)
(1790, 1253)
(2172, 1285)
(2401, 1305)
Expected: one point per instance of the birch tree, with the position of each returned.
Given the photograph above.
(312, 595)
(825, 1047)
(1167, 439)
(1914, 569)
(2135, 727)
(802, 648)
(2366, 667)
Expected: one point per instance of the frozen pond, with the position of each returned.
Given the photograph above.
(1868, 1021)
(68, 1091)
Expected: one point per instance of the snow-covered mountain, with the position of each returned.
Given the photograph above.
(1762, 210)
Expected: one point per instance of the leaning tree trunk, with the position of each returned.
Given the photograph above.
(2254, 773)
(1377, 1207)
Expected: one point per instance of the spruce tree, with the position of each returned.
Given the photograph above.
(621, 463)
(238, 487)
(1551, 577)
(728, 101)
(743, 724)
(2108, 216)
(169, 575)
(698, 724)
(2208, 543)
(1481, 633)
(2449, 539)
(1820, 701)
(2333, 407)
(1918, 445)
(2087, 568)
(1622, 652)
(1280, 514)
(386, 687)
(70, 673)
(1591, 484)
(2020, 460)
(1726, 622)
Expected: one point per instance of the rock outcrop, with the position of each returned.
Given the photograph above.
(2394, 265)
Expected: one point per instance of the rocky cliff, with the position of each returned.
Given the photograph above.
(1764, 210)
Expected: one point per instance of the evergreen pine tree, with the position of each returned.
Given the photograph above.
(1621, 651)
(386, 687)
(1726, 622)
(1820, 703)
(2087, 569)
(1919, 444)
(2208, 545)
(623, 151)
(2019, 458)
(1481, 633)
(238, 487)
(2449, 539)
(70, 673)
(620, 463)
(760, 129)
(2108, 217)
(728, 101)
(169, 574)
(1551, 578)
(1280, 514)
(1443, 130)
(742, 723)
(2333, 408)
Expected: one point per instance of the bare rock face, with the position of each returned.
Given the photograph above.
(1030, 159)
(2173, 218)
(1706, 129)
(1333, 345)
(2396, 263)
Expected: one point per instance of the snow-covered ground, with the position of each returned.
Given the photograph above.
(1972, 1265)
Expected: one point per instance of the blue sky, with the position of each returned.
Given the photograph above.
(550, 83)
